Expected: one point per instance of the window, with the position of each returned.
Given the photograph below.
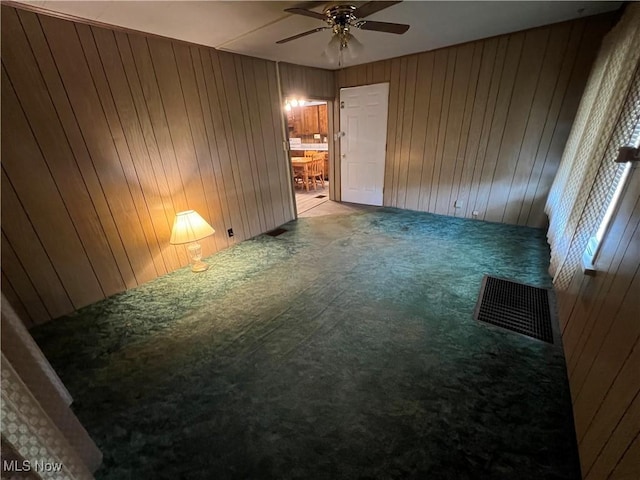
(611, 202)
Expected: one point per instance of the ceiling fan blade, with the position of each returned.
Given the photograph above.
(398, 28)
(308, 5)
(306, 13)
(300, 35)
(370, 8)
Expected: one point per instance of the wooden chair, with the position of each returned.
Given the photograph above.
(322, 156)
(298, 177)
(315, 174)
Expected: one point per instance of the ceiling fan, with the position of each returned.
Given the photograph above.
(341, 18)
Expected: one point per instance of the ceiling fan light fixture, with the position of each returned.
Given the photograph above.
(340, 19)
(354, 47)
(342, 46)
(332, 50)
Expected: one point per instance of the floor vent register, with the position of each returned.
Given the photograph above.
(276, 232)
(517, 307)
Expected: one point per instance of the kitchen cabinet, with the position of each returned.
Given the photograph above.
(307, 121)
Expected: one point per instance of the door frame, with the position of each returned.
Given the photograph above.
(331, 140)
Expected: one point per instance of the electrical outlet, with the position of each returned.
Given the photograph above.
(230, 232)
(458, 204)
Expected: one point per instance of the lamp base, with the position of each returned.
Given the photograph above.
(199, 266)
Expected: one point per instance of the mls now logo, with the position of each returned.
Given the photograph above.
(27, 466)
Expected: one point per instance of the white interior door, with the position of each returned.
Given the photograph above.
(363, 121)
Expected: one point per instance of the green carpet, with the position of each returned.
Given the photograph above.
(344, 348)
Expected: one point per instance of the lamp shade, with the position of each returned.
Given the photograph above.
(189, 227)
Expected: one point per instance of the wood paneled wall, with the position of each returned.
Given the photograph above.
(307, 82)
(105, 136)
(601, 336)
(483, 123)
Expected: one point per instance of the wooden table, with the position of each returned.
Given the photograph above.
(302, 164)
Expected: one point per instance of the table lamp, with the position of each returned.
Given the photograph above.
(189, 227)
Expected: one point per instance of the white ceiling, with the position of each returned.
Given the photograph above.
(252, 28)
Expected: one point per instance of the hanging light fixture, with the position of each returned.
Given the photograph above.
(289, 103)
(343, 45)
(340, 19)
(340, 49)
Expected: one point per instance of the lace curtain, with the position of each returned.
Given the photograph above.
(607, 113)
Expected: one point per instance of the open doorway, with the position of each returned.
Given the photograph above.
(309, 137)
